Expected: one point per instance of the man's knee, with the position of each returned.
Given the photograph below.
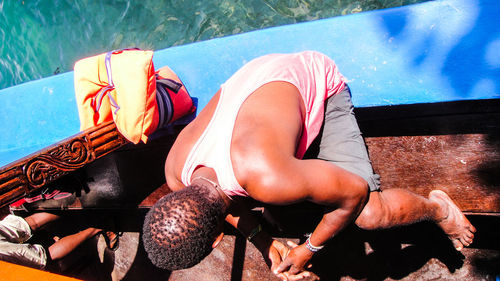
(373, 215)
(359, 189)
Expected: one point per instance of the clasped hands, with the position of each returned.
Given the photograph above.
(289, 263)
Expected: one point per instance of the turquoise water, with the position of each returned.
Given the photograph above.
(45, 37)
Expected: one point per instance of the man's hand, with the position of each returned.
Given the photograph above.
(275, 254)
(292, 268)
(273, 251)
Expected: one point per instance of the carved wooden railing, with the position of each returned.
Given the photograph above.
(36, 170)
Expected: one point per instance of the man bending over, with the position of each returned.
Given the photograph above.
(249, 142)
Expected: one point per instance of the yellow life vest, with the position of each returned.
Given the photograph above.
(123, 86)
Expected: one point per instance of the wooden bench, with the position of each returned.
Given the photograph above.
(454, 146)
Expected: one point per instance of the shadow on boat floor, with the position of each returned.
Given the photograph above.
(419, 252)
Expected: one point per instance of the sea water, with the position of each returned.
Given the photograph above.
(39, 38)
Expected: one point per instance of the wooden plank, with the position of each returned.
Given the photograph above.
(454, 146)
(461, 165)
(464, 165)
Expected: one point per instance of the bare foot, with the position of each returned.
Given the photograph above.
(454, 224)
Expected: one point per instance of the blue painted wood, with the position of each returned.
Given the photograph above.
(431, 52)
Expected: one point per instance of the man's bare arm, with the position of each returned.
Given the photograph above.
(321, 182)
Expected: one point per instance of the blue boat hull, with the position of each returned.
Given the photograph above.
(431, 52)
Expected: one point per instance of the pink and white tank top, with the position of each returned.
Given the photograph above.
(312, 73)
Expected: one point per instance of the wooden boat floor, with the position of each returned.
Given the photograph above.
(452, 146)
(419, 252)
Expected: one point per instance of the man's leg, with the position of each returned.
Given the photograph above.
(395, 207)
(67, 244)
(342, 144)
(38, 220)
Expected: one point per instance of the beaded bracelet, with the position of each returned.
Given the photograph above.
(254, 232)
(311, 247)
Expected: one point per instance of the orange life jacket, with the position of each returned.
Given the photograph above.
(123, 86)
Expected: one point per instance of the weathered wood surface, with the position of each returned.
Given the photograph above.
(462, 165)
(37, 170)
(453, 146)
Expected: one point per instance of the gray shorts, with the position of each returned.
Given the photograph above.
(341, 142)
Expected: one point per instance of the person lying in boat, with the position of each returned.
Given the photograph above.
(16, 231)
(249, 142)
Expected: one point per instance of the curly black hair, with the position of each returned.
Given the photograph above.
(180, 228)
